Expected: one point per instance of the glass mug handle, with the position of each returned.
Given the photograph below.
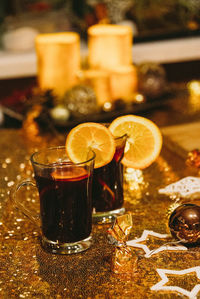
(33, 216)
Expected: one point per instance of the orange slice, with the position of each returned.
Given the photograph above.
(69, 174)
(90, 136)
(144, 141)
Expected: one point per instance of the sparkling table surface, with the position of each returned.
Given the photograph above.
(27, 271)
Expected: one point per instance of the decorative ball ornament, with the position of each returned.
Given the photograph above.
(194, 201)
(80, 100)
(60, 113)
(184, 223)
(152, 80)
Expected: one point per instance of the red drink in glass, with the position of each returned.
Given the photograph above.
(64, 187)
(107, 187)
(65, 208)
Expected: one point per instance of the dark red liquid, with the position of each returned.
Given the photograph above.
(107, 188)
(65, 205)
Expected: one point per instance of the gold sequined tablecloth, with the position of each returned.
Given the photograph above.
(27, 271)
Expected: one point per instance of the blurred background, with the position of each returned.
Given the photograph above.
(165, 33)
(151, 19)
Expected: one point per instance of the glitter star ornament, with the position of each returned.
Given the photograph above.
(161, 285)
(186, 187)
(148, 253)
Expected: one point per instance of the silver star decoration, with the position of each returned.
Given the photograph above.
(164, 279)
(149, 253)
(186, 187)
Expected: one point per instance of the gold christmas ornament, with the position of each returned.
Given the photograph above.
(99, 80)
(80, 100)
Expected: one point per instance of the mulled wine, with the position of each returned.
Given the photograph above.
(107, 187)
(64, 187)
(65, 206)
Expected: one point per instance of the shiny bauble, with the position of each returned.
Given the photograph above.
(60, 114)
(193, 200)
(151, 80)
(184, 224)
(80, 100)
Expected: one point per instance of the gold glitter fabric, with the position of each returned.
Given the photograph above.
(27, 271)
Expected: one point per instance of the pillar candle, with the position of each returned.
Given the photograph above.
(123, 80)
(58, 61)
(109, 45)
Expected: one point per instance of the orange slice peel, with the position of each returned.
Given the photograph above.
(88, 137)
(69, 174)
(144, 140)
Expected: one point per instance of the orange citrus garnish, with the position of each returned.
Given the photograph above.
(144, 140)
(69, 174)
(90, 136)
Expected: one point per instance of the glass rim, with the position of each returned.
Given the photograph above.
(62, 147)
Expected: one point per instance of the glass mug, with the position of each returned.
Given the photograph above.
(107, 187)
(65, 200)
